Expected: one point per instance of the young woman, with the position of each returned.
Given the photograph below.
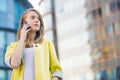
(32, 57)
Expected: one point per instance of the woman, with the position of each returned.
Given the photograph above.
(32, 57)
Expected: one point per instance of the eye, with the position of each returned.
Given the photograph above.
(33, 17)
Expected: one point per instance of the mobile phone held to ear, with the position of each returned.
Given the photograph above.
(24, 23)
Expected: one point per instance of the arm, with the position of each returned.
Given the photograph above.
(14, 53)
(15, 59)
(55, 78)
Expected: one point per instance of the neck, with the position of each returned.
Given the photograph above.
(31, 35)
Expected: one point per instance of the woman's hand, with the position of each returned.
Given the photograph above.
(15, 59)
(55, 78)
(24, 31)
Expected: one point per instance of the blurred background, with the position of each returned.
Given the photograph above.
(86, 35)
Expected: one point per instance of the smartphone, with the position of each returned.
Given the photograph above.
(25, 22)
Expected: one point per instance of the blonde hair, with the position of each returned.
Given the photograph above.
(39, 34)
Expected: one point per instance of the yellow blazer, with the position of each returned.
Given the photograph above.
(46, 62)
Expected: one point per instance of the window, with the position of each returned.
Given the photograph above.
(3, 5)
(118, 73)
(2, 39)
(19, 8)
(113, 74)
(118, 4)
(2, 75)
(112, 6)
(5, 39)
(3, 19)
(94, 13)
(106, 10)
(103, 33)
(9, 38)
(109, 30)
(99, 11)
(117, 27)
(113, 26)
(89, 16)
(92, 34)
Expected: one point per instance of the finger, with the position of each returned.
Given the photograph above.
(24, 25)
(14, 66)
(28, 29)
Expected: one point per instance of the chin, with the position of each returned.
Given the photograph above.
(35, 29)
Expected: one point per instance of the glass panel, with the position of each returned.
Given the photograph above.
(6, 38)
(2, 39)
(9, 38)
(3, 19)
(118, 73)
(19, 8)
(2, 75)
(3, 5)
(94, 13)
(112, 6)
(117, 27)
(109, 30)
(9, 74)
(118, 4)
(2, 51)
(106, 10)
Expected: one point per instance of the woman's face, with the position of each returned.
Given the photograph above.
(33, 20)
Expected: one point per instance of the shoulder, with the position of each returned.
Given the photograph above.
(46, 41)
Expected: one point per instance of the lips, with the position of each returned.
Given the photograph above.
(36, 25)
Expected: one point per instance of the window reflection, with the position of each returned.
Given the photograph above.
(2, 75)
(2, 39)
(3, 3)
(9, 38)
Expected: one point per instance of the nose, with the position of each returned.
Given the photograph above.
(36, 20)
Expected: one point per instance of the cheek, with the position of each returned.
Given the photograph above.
(39, 23)
(35, 28)
(38, 28)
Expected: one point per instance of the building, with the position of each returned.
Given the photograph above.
(104, 37)
(10, 12)
(72, 37)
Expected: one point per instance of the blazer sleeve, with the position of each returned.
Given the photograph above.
(55, 67)
(9, 52)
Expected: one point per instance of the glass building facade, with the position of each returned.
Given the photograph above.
(104, 38)
(10, 12)
(72, 39)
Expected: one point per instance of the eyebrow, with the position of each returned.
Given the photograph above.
(34, 16)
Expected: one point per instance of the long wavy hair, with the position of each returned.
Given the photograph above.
(39, 34)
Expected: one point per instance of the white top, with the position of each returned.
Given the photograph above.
(29, 69)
